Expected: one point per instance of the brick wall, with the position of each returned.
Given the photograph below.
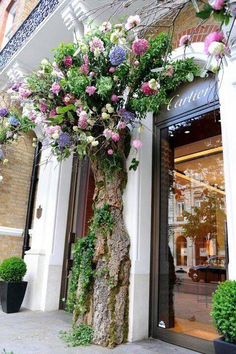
(10, 246)
(23, 9)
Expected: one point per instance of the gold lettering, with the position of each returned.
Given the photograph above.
(169, 104)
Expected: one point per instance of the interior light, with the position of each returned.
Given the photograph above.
(187, 131)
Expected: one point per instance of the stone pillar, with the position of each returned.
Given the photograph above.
(45, 258)
(227, 96)
(137, 212)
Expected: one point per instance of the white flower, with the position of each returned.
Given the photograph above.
(105, 27)
(55, 135)
(44, 62)
(153, 84)
(114, 38)
(115, 78)
(1, 178)
(132, 21)
(105, 115)
(90, 139)
(94, 143)
(75, 128)
(216, 48)
(15, 136)
(97, 52)
(5, 162)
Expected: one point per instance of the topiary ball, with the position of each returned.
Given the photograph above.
(12, 269)
(224, 310)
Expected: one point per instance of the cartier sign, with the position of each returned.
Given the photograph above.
(189, 97)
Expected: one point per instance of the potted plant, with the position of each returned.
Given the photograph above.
(12, 288)
(224, 316)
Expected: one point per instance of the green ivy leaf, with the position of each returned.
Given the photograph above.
(65, 109)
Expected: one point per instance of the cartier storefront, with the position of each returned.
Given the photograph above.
(189, 241)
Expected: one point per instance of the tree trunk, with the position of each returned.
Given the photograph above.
(108, 310)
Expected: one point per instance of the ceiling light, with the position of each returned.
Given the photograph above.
(186, 131)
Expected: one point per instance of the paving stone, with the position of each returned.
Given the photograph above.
(36, 332)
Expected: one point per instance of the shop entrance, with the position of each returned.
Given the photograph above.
(80, 212)
(189, 233)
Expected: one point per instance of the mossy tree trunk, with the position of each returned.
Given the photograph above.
(107, 311)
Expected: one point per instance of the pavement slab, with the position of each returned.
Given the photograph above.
(36, 332)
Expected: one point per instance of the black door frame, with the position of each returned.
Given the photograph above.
(200, 345)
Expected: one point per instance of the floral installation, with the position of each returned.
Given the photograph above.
(219, 9)
(92, 101)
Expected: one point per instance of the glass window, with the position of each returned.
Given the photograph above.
(192, 227)
(11, 14)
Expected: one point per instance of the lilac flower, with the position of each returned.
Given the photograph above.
(64, 140)
(127, 115)
(3, 112)
(140, 46)
(90, 90)
(96, 44)
(117, 55)
(56, 88)
(43, 106)
(24, 93)
(16, 86)
(107, 133)
(114, 98)
(12, 120)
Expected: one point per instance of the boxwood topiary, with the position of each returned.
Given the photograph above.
(224, 310)
(12, 269)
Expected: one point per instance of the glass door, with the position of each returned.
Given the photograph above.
(192, 226)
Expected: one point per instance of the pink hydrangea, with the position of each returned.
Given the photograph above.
(55, 88)
(145, 88)
(212, 37)
(90, 90)
(24, 93)
(132, 22)
(110, 152)
(185, 40)
(52, 129)
(68, 61)
(115, 137)
(114, 98)
(137, 144)
(83, 123)
(140, 46)
(107, 133)
(217, 4)
(96, 43)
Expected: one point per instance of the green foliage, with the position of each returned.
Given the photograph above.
(78, 335)
(64, 50)
(224, 310)
(223, 15)
(82, 271)
(75, 83)
(134, 164)
(104, 86)
(12, 269)
(111, 164)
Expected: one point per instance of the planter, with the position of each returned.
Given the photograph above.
(12, 295)
(224, 347)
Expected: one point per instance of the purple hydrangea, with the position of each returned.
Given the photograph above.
(3, 112)
(127, 115)
(64, 140)
(117, 55)
(12, 120)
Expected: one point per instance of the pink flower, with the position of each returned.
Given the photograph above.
(121, 125)
(96, 43)
(132, 21)
(115, 137)
(92, 74)
(83, 122)
(43, 106)
(145, 88)
(137, 144)
(114, 98)
(68, 61)
(217, 4)
(24, 93)
(110, 152)
(85, 67)
(185, 40)
(112, 70)
(212, 37)
(52, 113)
(107, 133)
(90, 90)
(56, 88)
(140, 46)
(49, 130)
(136, 63)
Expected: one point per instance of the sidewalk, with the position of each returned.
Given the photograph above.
(37, 332)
